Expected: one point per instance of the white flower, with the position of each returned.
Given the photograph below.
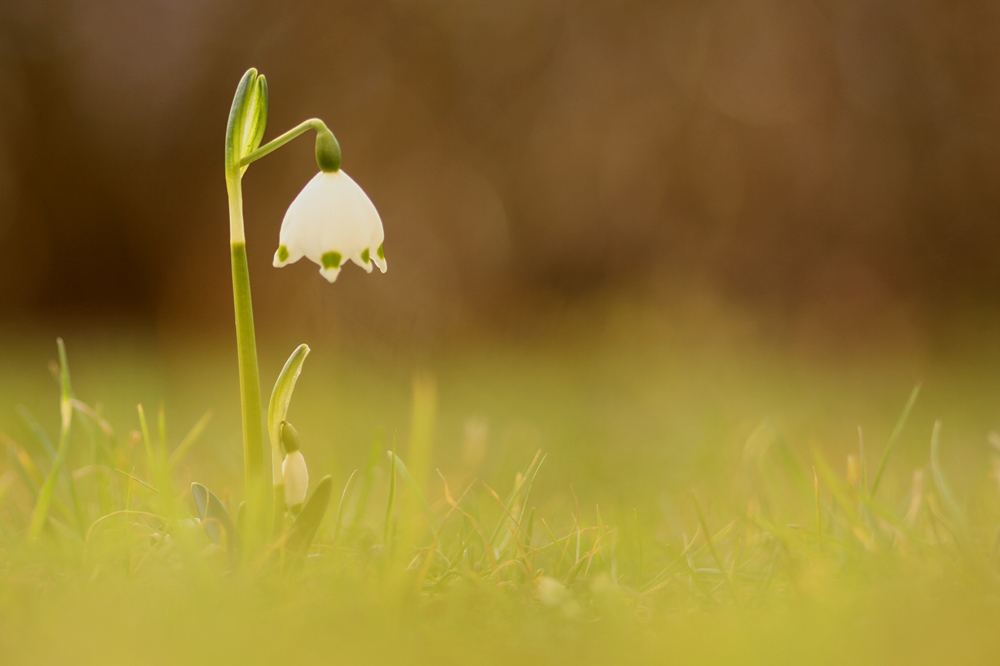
(332, 220)
(296, 477)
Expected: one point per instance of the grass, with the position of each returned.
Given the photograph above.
(631, 494)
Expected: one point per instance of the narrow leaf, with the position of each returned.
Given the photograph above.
(213, 513)
(303, 531)
(216, 520)
(277, 408)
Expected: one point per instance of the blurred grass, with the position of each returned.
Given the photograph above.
(633, 410)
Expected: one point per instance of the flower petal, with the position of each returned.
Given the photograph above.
(296, 477)
(379, 257)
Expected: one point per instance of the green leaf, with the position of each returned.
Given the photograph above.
(277, 408)
(215, 519)
(303, 531)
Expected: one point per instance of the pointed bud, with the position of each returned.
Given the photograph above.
(256, 118)
(247, 118)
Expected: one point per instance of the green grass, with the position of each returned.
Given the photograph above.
(636, 492)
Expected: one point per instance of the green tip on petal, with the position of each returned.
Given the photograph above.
(282, 253)
(331, 260)
(365, 256)
(381, 251)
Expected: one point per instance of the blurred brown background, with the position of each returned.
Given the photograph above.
(831, 167)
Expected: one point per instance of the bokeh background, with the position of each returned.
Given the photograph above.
(784, 175)
(826, 165)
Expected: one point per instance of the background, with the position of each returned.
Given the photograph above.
(721, 194)
(823, 164)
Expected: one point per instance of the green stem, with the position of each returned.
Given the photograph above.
(257, 491)
(272, 145)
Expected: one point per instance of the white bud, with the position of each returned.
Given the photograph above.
(296, 477)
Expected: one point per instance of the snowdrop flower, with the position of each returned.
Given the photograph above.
(293, 468)
(332, 220)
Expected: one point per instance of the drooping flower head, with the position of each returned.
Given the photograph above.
(332, 220)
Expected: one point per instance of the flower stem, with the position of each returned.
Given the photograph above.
(257, 490)
(278, 142)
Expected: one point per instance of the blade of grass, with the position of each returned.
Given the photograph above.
(23, 465)
(819, 516)
(861, 458)
(161, 482)
(555, 541)
(893, 437)
(188, 441)
(89, 425)
(390, 505)
(530, 527)
(423, 420)
(944, 488)
(161, 420)
(374, 454)
(711, 546)
(37, 430)
(340, 508)
(954, 512)
(488, 550)
(638, 539)
(44, 500)
(513, 496)
(411, 483)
